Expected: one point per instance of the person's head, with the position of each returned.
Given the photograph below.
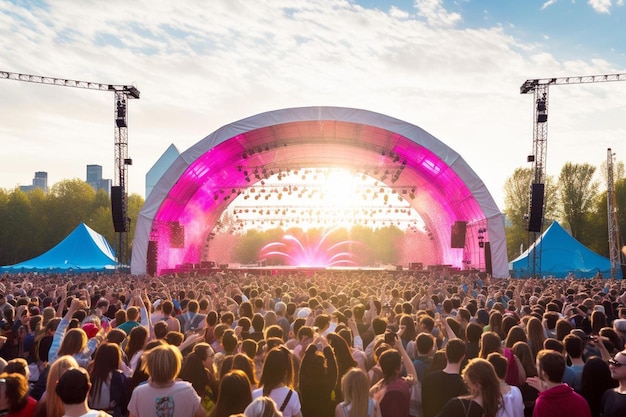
(167, 306)
(136, 340)
(229, 342)
(54, 406)
(160, 329)
(132, 313)
(390, 362)
(249, 347)
(13, 391)
(74, 342)
(120, 316)
(262, 407)
(489, 342)
(116, 336)
(481, 379)
(174, 338)
(193, 306)
(242, 362)
(455, 351)
(163, 363)
(618, 366)
(73, 386)
(355, 387)
(573, 346)
(17, 365)
(515, 334)
(108, 358)
(525, 355)
(277, 369)
(234, 394)
(473, 331)
(550, 365)
(562, 329)
(195, 365)
(425, 343)
(499, 363)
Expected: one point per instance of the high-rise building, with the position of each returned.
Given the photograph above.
(40, 181)
(94, 178)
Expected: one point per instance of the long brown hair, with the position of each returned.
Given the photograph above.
(482, 374)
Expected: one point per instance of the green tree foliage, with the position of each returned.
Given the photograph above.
(577, 194)
(597, 232)
(32, 223)
(517, 203)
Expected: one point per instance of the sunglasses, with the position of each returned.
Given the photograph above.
(616, 363)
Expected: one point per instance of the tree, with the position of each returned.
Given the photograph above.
(517, 204)
(577, 194)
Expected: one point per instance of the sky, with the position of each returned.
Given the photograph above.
(453, 68)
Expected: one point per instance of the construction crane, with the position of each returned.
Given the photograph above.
(611, 208)
(119, 191)
(540, 90)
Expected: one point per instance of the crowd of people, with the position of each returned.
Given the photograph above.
(311, 344)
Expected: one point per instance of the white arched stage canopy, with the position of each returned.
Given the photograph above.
(447, 189)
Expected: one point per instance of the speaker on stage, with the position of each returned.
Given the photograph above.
(535, 217)
(488, 267)
(118, 209)
(151, 261)
(457, 239)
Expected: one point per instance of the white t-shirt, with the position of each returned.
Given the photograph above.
(92, 413)
(177, 400)
(279, 395)
(512, 404)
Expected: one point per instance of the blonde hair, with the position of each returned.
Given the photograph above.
(74, 341)
(355, 388)
(163, 363)
(54, 405)
(262, 407)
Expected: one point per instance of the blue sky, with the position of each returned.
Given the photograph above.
(453, 68)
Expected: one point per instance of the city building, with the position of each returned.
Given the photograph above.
(94, 178)
(40, 181)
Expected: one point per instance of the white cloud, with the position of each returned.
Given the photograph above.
(601, 6)
(548, 4)
(201, 66)
(435, 14)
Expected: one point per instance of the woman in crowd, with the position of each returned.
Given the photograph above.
(491, 342)
(485, 397)
(536, 335)
(198, 368)
(317, 379)
(512, 401)
(163, 395)
(242, 362)
(262, 407)
(234, 394)
(108, 383)
(356, 401)
(345, 361)
(14, 396)
(594, 381)
(135, 344)
(50, 405)
(529, 394)
(73, 342)
(277, 382)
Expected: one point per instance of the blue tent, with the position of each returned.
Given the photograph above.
(83, 250)
(561, 255)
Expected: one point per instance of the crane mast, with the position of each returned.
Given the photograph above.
(611, 208)
(540, 90)
(122, 93)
